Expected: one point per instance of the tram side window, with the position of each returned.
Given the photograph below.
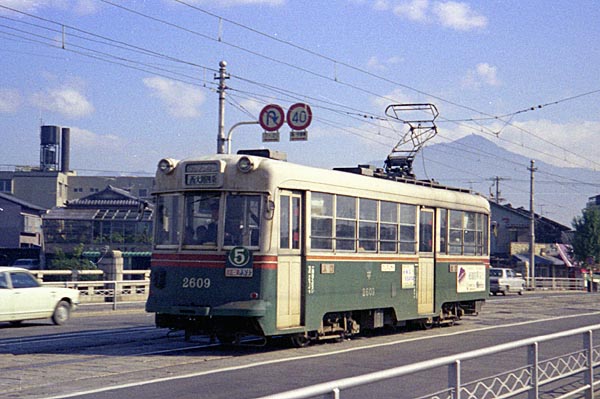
(482, 235)
(388, 228)
(443, 231)
(367, 225)
(242, 220)
(201, 218)
(408, 221)
(321, 230)
(345, 223)
(456, 233)
(167, 220)
(289, 222)
(468, 233)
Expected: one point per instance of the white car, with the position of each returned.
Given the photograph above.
(503, 280)
(22, 297)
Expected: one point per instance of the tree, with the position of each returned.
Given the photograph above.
(586, 242)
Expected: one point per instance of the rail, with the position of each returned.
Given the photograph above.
(575, 370)
(559, 284)
(97, 291)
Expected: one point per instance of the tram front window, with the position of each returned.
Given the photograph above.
(167, 220)
(202, 218)
(242, 220)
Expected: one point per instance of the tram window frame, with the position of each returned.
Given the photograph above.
(167, 229)
(202, 214)
(408, 229)
(321, 224)
(467, 233)
(426, 231)
(388, 226)
(345, 223)
(367, 224)
(289, 221)
(242, 220)
(443, 223)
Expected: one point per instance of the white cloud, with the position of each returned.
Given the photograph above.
(415, 10)
(483, 74)
(381, 5)
(86, 140)
(10, 101)
(554, 143)
(233, 3)
(78, 7)
(66, 101)
(450, 14)
(395, 97)
(182, 100)
(458, 16)
(375, 64)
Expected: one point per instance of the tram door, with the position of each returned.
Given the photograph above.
(425, 275)
(289, 268)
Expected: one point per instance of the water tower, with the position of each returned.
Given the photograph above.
(53, 140)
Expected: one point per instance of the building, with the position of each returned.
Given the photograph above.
(52, 185)
(20, 229)
(509, 242)
(111, 219)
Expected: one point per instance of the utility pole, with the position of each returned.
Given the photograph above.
(532, 169)
(221, 90)
(497, 181)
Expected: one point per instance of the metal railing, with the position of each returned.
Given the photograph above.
(577, 367)
(98, 290)
(558, 283)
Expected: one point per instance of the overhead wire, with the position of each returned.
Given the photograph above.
(368, 73)
(144, 51)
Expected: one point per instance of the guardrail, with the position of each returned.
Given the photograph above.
(557, 283)
(578, 367)
(97, 291)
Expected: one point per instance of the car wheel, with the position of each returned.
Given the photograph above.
(61, 313)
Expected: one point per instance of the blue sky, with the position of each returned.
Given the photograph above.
(135, 80)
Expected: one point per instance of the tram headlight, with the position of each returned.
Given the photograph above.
(245, 165)
(166, 165)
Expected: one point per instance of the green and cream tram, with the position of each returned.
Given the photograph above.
(250, 245)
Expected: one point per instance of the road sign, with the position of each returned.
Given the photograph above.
(299, 116)
(271, 117)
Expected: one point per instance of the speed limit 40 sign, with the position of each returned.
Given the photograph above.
(299, 116)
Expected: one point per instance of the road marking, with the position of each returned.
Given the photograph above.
(291, 359)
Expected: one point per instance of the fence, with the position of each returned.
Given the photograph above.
(560, 284)
(93, 291)
(573, 372)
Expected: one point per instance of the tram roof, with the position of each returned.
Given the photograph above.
(359, 180)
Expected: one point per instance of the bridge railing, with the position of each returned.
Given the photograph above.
(573, 372)
(558, 283)
(135, 288)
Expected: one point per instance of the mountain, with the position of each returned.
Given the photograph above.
(475, 162)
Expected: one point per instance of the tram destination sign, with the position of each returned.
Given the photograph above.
(207, 174)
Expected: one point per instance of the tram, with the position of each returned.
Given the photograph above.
(252, 245)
